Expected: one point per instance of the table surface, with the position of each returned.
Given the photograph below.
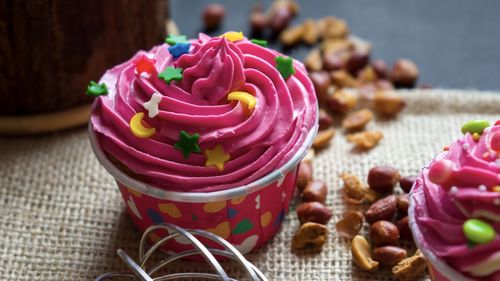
(456, 43)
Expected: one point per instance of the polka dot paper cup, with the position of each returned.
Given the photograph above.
(246, 216)
(438, 269)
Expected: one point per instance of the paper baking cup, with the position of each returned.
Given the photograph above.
(438, 269)
(246, 216)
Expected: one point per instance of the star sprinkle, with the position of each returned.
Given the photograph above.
(171, 73)
(94, 89)
(285, 66)
(179, 49)
(144, 65)
(233, 36)
(152, 105)
(262, 43)
(187, 143)
(216, 157)
(173, 39)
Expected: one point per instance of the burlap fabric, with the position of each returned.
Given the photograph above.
(62, 217)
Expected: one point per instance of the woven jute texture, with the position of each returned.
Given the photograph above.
(62, 217)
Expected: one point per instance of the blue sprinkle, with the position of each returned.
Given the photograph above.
(179, 49)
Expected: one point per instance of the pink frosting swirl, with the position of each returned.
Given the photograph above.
(258, 143)
(458, 185)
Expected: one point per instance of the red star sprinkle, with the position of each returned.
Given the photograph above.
(144, 65)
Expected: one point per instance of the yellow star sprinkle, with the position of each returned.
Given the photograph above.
(233, 36)
(243, 97)
(496, 188)
(216, 157)
(476, 136)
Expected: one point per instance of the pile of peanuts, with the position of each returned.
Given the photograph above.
(312, 213)
(387, 216)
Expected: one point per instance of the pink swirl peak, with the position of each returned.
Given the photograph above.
(460, 184)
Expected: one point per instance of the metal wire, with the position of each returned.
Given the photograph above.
(139, 272)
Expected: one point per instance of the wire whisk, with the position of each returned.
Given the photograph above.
(139, 271)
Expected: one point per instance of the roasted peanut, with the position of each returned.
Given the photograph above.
(410, 268)
(382, 179)
(342, 101)
(404, 229)
(350, 225)
(406, 183)
(404, 73)
(310, 235)
(310, 33)
(403, 204)
(292, 35)
(332, 27)
(365, 140)
(321, 83)
(388, 102)
(325, 120)
(357, 61)
(361, 254)
(304, 174)
(367, 75)
(279, 19)
(323, 138)
(342, 79)
(356, 190)
(342, 46)
(357, 120)
(380, 68)
(315, 190)
(258, 22)
(213, 15)
(314, 212)
(383, 209)
(389, 255)
(313, 60)
(384, 233)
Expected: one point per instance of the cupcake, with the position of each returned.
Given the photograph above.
(206, 134)
(455, 207)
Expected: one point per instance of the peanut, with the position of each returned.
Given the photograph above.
(292, 35)
(383, 209)
(384, 233)
(389, 255)
(314, 212)
(365, 140)
(404, 229)
(343, 79)
(323, 138)
(361, 254)
(313, 60)
(315, 190)
(325, 120)
(355, 190)
(310, 32)
(350, 225)
(342, 101)
(410, 268)
(403, 204)
(404, 73)
(332, 27)
(304, 174)
(321, 83)
(388, 102)
(406, 183)
(382, 179)
(357, 120)
(310, 235)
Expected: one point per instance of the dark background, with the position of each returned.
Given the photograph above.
(455, 43)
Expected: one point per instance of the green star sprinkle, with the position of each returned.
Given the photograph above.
(285, 66)
(171, 73)
(94, 89)
(187, 143)
(259, 42)
(174, 39)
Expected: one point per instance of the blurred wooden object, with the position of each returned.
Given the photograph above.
(50, 50)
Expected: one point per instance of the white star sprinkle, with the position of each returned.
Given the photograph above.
(145, 75)
(454, 189)
(482, 187)
(466, 146)
(152, 105)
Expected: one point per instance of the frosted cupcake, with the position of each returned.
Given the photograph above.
(206, 134)
(455, 207)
